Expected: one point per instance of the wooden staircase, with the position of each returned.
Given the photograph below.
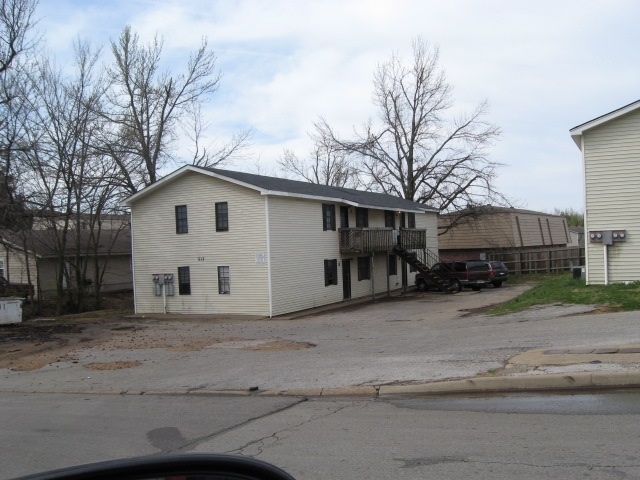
(434, 278)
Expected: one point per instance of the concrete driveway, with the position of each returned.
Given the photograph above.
(416, 338)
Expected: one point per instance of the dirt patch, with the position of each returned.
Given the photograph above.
(113, 365)
(32, 346)
(34, 333)
(35, 344)
(605, 308)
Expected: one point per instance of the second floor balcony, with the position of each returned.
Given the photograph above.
(369, 240)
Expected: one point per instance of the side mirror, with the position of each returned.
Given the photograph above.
(170, 467)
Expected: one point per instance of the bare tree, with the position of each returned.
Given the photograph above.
(417, 150)
(16, 24)
(16, 20)
(212, 155)
(145, 105)
(327, 164)
(63, 164)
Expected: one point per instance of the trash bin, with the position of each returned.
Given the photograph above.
(10, 310)
(577, 272)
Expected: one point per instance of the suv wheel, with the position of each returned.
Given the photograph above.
(456, 285)
(421, 285)
(497, 284)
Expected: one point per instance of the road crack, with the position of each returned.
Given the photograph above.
(205, 438)
(260, 444)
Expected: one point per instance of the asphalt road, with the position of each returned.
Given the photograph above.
(515, 437)
(48, 431)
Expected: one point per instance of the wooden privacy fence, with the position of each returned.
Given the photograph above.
(541, 260)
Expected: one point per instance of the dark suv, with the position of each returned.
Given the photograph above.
(498, 272)
(472, 273)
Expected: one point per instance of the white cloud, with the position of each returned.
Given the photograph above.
(544, 66)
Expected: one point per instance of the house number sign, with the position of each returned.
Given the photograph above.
(201, 259)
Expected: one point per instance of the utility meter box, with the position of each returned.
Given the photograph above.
(10, 310)
(607, 237)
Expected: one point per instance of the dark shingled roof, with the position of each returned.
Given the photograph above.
(378, 200)
(43, 242)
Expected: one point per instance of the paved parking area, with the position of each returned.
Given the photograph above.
(419, 337)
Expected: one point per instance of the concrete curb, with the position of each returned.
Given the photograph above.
(516, 383)
(521, 383)
(359, 391)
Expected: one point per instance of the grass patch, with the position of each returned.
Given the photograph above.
(563, 288)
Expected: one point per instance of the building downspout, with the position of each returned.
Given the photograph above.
(266, 215)
(133, 264)
(606, 264)
(164, 298)
(388, 281)
(586, 216)
(373, 276)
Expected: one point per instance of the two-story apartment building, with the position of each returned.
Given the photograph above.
(239, 243)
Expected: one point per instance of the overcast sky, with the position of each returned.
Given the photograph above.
(543, 66)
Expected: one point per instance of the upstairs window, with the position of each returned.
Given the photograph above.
(411, 217)
(344, 217)
(328, 217)
(2, 268)
(184, 281)
(224, 283)
(182, 226)
(389, 219)
(330, 272)
(362, 217)
(222, 217)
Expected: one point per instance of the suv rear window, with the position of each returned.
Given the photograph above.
(477, 266)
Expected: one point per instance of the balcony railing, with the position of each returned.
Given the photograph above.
(369, 240)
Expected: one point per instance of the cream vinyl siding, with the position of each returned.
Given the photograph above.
(299, 247)
(612, 176)
(15, 266)
(117, 275)
(158, 249)
(360, 288)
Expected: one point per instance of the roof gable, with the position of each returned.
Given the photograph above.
(293, 188)
(576, 132)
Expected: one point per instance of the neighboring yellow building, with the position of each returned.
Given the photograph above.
(610, 146)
